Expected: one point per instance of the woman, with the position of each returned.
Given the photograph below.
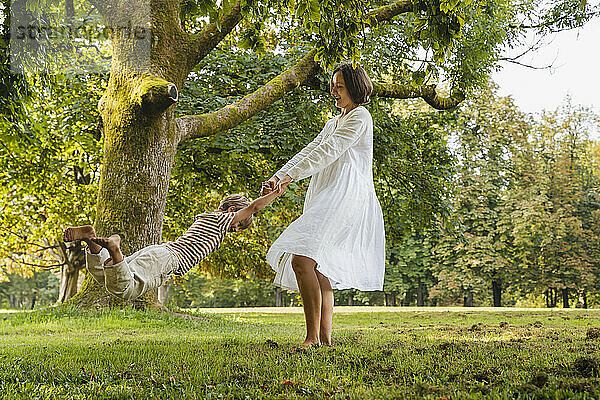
(339, 241)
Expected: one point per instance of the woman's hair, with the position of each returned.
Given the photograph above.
(357, 82)
(237, 201)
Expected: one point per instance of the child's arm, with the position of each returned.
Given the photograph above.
(258, 204)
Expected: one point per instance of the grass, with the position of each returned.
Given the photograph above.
(466, 354)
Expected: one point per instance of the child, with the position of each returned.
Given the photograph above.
(148, 268)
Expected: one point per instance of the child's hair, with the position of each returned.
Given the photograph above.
(237, 201)
(357, 82)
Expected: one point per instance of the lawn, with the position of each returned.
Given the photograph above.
(406, 353)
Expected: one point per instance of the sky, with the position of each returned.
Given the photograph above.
(575, 72)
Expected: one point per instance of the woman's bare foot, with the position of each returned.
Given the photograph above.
(113, 245)
(304, 346)
(308, 344)
(79, 233)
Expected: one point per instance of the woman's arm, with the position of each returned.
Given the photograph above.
(300, 155)
(269, 185)
(333, 147)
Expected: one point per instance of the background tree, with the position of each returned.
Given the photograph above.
(555, 206)
(49, 157)
(526, 202)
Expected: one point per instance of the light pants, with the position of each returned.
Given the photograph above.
(144, 270)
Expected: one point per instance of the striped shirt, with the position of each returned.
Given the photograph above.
(203, 237)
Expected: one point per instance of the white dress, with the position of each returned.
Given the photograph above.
(341, 226)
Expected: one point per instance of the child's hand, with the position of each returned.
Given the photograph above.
(282, 185)
(281, 188)
(266, 188)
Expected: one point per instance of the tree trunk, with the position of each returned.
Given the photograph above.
(163, 292)
(278, 297)
(140, 134)
(551, 297)
(139, 150)
(420, 290)
(408, 298)
(68, 283)
(390, 299)
(468, 300)
(565, 297)
(73, 258)
(584, 295)
(12, 300)
(497, 293)
(69, 9)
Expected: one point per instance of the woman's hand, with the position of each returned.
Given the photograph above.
(283, 183)
(268, 186)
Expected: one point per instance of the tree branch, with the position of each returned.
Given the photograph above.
(204, 125)
(386, 13)
(197, 46)
(530, 48)
(396, 91)
(233, 114)
(24, 238)
(38, 265)
(426, 92)
(514, 61)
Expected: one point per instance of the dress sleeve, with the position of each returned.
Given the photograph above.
(330, 149)
(301, 154)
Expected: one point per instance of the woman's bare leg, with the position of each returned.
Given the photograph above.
(326, 309)
(85, 233)
(310, 290)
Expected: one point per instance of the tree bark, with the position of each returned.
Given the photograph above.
(468, 300)
(73, 258)
(565, 297)
(551, 297)
(420, 294)
(278, 297)
(497, 293)
(12, 301)
(139, 149)
(427, 92)
(68, 283)
(69, 9)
